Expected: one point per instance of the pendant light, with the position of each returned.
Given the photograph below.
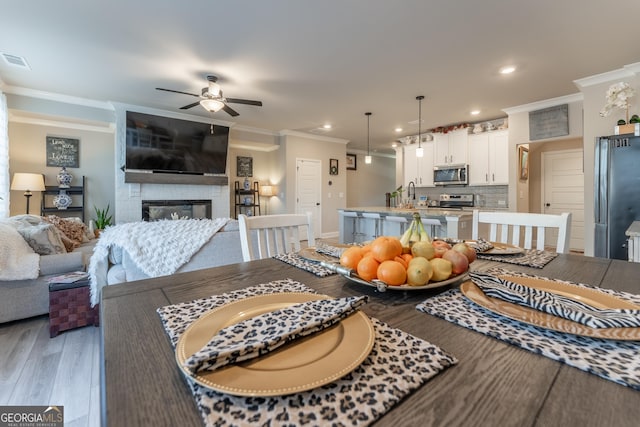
(367, 158)
(420, 150)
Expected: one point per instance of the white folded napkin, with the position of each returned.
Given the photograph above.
(264, 333)
(554, 304)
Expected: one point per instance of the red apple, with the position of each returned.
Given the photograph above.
(440, 247)
(466, 250)
(459, 262)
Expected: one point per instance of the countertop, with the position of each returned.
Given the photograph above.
(423, 210)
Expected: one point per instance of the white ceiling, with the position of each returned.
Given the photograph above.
(317, 62)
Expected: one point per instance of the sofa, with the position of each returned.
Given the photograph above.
(222, 249)
(40, 246)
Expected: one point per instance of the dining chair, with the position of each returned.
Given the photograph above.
(269, 235)
(512, 222)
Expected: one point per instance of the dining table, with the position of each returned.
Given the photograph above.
(493, 383)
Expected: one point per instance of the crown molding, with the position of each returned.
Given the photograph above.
(539, 105)
(243, 145)
(372, 154)
(67, 99)
(625, 72)
(50, 121)
(288, 132)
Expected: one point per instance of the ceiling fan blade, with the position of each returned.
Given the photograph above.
(230, 111)
(177, 91)
(186, 107)
(244, 101)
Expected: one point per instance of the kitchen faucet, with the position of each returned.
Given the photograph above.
(411, 183)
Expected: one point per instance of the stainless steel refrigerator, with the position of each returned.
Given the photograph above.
(617, 193)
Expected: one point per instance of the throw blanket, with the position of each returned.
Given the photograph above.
(17, 260)
(158, 248)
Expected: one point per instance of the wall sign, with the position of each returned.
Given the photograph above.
(244, 166)
(549, 122)
(352, 162)
(63, 152)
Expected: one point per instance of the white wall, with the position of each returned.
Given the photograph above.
(367, 185)
(303, 146)
(27, 153)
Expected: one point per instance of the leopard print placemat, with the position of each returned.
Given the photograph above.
(297, 261)
(530, 258)
(613, 360)
(398, 364)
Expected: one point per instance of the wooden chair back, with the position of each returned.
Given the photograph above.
(511, 223)
(269, 235)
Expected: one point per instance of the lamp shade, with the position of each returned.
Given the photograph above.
(266, 190)
(27, 182)
(212, 105)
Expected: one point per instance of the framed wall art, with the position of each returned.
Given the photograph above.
(63, 152)
(523, 155)
(244, 166)
(333, 166)
(351, 162)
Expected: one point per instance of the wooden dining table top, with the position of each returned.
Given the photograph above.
(493, 384)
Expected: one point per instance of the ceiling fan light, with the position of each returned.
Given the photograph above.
(419, 152)
(212, 105)
(367, 159)
(214, 89)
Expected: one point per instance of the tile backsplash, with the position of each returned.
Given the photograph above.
(488, 197)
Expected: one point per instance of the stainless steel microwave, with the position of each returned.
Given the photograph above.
(451, 175)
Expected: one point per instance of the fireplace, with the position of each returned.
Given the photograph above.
(153, 210)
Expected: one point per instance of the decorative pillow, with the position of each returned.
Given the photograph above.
(44, 239)
(73, 230)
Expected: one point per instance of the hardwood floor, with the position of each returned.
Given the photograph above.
(38, 370)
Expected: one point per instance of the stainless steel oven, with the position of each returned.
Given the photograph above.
(451, 175)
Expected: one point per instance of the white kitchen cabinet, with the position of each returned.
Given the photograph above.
(418, 169)
(489, 158)
(451, 148)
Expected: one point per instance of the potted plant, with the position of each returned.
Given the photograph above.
(103, 220)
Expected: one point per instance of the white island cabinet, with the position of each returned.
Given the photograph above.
(489, 158)
(455, 224)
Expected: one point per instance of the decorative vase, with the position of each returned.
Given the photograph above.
(247, 184)
(478, 128)
(64, 178)
(62, 200)
(247, 201)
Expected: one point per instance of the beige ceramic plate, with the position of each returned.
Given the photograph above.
(548, 321)
(502, 249)
(382, 287)
(305, 364)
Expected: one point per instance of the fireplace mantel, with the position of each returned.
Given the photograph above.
(174, 178)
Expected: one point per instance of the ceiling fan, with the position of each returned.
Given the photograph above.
(212, 99)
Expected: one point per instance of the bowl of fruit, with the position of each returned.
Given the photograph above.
(411, 262)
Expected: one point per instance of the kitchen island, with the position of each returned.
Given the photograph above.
(357, 226)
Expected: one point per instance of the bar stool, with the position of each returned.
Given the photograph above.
(355, 234)
(375, 217)
(431, 225)
(401, 220)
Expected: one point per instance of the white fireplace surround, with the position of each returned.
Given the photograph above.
(129, 196)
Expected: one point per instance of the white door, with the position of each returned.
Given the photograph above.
(563, 191)
(309, 191)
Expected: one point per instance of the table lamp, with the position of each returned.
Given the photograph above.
(28, 182)
(267, 191)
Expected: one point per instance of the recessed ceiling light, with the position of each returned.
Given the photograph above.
(398, 129)
(507, 70)
(394, 144)
(475, 112)
(327, 126)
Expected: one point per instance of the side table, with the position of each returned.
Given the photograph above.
(70, 307)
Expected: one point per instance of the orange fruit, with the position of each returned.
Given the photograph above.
(402, 261)
(366, 249)
(386, 248)
(392, 273)
(407, 258)
(351, 257)
(368, 268)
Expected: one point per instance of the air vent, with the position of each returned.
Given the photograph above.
(16, 61)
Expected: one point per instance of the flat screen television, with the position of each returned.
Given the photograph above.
(167, 145)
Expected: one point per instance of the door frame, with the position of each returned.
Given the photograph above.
(317, 219)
